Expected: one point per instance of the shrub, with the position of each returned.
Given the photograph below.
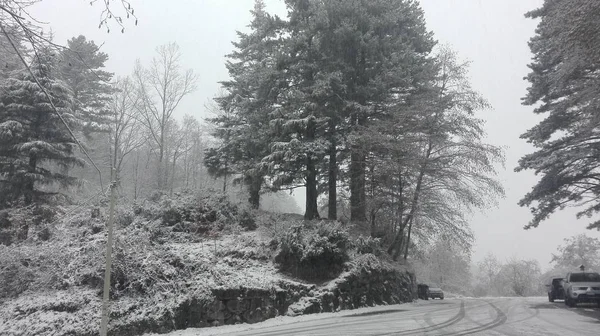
(35, 267)
(317, 252)
(365, 245)
(43, 214)
(15, 224)
(44, 234)
(171, 216)
(246, 247)
(199, 215)
(247, 221)
(124, 217)
(15, 278)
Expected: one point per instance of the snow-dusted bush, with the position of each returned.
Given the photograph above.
(35, 266)
(247, 221)
(15, 276)
(199, 214)
(58, 313)
(18, 224)
(246, 247)
(313, 250)
(368, 244)
(124, 216)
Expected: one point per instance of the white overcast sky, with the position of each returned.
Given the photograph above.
(493, 34)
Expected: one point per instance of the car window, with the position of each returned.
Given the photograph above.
(585, 277)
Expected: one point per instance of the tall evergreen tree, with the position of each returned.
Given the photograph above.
(10, 63)
(564, 82)
(33, 138)
(81, 67)
(376, 51)
(300, 120)
(247, 103)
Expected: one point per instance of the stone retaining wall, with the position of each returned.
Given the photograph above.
(368, 282)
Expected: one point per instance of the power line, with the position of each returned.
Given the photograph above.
(70, 212)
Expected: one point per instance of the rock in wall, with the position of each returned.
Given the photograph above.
(368, 282)
(227, 306)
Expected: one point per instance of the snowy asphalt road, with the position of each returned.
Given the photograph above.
(489, 316)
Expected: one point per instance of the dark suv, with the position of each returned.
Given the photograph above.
(423, 291)
(436, 293)
(556, 290)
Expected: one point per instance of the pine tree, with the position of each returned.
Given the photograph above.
(81, 67)
(249, 95)
(299, 123)
(10, 63)
(33, 139)
(372, 55)
(563, 81)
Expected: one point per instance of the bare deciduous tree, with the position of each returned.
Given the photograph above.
(193, 151)
(162, 86)
(125, 136)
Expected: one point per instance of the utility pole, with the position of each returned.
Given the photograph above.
(109, 239)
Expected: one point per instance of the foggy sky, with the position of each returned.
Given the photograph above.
(493, 34)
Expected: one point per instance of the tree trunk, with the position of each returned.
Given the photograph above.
(172, 182)
(408, 239)
(135, 180)
(312, 210)
(115, 155)
(161, 156)
(397, 249)
(160, 173)
(358, 211)
(29, 190)
(400, 214)
(358, 208)
(397, 242)
(254, 186)
(372, 220)
(332, 204)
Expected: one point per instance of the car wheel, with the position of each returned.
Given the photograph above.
(550, 298)
(443, 298)
(571, 302)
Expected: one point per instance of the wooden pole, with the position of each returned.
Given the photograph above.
(111, 218)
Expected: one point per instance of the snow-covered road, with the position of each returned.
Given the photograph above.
(487, 316)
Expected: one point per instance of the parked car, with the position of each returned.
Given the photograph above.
(423, 291)
(436, 293)
(555, 289)
(582, 287)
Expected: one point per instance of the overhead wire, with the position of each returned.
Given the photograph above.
(68, 215)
